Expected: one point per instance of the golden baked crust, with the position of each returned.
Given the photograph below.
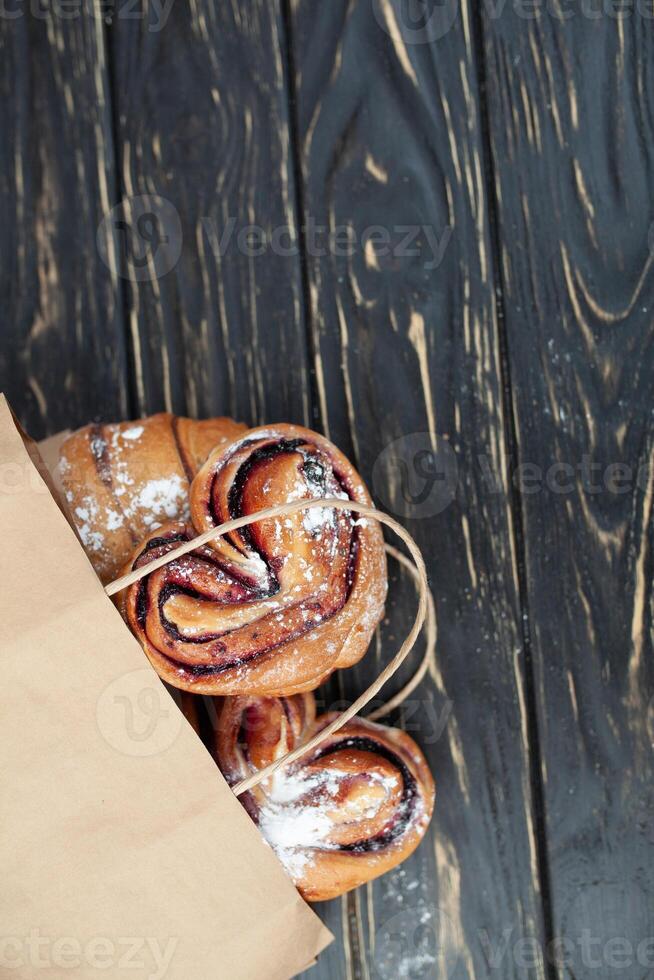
(273, 608)
(349, 811)
(123, 480)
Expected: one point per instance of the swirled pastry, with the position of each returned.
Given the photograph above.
(350, 810)
(124, 480)
(275, 607)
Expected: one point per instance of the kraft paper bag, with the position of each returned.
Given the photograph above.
(124, 853)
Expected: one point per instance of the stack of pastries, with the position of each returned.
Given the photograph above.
(258, 618)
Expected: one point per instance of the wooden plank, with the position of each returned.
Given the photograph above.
(201, 109)
(407, 348)
(571, 118)
(62, 358)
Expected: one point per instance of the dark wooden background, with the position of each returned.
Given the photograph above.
(528, 130)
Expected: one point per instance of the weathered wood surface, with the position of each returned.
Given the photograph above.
(62, 356)
(201, 111)
(572, 128)
(516, 330)
(389, 135)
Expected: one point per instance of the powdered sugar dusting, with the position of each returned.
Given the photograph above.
(291, 833)
(137, 507)
(296, 818)
(157, 501)
(292, 826)
(134, 433)
(114, 520)
(161, 498)
(85, 521)
(317, 518)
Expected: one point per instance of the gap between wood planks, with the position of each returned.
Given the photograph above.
(131, 384)
(286, 38)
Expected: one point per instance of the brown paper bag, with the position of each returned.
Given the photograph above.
(123, 849)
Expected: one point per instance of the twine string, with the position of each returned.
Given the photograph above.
(431, 636)
(424, 613)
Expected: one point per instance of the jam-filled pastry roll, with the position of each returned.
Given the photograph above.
(275, 607)
(122, 481)
(349, 811)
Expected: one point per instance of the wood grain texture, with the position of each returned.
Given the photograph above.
(572, 129)
(511, 155)
(61, 305)
(389, 136)
(201, 115)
